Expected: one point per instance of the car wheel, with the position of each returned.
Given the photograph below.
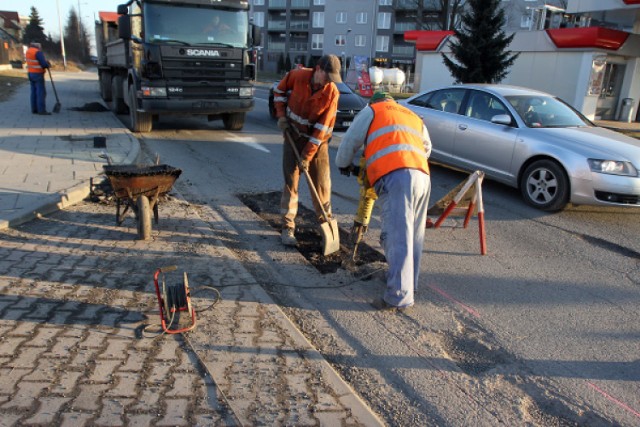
(272, 108)
(545, 186)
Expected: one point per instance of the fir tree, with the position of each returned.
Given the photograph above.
(34, 32)
(76, 39)
(480, 45)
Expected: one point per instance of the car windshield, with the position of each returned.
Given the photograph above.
(195, 25)
(539, 111)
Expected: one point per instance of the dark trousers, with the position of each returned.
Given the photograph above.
(38, 93)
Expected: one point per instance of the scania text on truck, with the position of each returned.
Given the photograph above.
(184, 57)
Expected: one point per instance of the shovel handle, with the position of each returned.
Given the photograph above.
(287, 137)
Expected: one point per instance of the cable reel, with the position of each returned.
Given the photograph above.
(173, 299)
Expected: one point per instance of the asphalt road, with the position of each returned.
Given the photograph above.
(543, 330)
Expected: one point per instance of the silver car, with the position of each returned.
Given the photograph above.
(532, 141)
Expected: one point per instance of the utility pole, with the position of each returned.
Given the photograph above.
(64, 55)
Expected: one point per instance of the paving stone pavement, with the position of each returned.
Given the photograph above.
(79, 318)
(79, 323)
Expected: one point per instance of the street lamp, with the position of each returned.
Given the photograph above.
(345, 53)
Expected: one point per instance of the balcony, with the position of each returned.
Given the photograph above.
(276, 46)
(403, 51)
(300, 4)
(277, 25)
(298, 46)
(401, 27)
(299, 25)
(277, 4)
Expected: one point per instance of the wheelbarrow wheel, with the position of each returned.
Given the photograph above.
(144, 218)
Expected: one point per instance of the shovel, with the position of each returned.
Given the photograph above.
(56, 108)
(329, 228)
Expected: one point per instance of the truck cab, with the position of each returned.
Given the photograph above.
(190, 57)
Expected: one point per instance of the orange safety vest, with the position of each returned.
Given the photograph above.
(394, 141)
(33, 65)
(313, 114)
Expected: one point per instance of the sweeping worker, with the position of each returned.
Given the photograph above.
(396, 148)
(36, 65)
(306, 102)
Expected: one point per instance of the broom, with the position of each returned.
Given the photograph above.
(56, 108)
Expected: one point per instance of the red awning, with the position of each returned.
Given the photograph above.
(426, 40)
(596, 37)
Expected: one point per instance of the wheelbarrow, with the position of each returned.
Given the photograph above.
(139, 187)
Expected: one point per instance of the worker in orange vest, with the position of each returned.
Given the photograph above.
(306, 102)
(396, 148)
(36, 65)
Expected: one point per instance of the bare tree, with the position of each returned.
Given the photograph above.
(432, 14)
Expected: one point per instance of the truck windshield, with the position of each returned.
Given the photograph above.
(195, 25)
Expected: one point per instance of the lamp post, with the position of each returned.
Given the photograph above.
(345, 54)
(64, 55)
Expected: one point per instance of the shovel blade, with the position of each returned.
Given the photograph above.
(330, 237)
(56, 108)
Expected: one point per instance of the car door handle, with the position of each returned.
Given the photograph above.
(462, 126)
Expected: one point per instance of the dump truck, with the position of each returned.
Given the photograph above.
(161, 57)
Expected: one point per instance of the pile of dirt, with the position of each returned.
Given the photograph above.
(267, 206)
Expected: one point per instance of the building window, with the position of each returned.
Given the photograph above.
(382, 43)
(318, 2)
(258, 2)
(525, 21)
(258, 19)
(318, 20)
(317, 41)
(341, 40)
(384, 21)
(341, 17)
(386, 2)
(361, 40)
(361, 18)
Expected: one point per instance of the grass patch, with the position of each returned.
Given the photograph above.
(10, 81)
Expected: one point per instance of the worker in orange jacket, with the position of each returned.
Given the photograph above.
(306, 103)
(36, 66)
(396, 148)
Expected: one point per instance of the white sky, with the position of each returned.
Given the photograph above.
(48, 11)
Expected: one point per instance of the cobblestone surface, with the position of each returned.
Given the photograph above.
(80, 342)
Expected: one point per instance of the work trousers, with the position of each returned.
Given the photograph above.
(404, 197)
(320, 172)
(38, 93)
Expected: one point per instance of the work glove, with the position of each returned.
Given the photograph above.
(304, 164)
(283, 123)
(345, 171)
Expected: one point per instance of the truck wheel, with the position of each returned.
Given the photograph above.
(105, 85)
(233, 121)
(117, 101)
(140, 122)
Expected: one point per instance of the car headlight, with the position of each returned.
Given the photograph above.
(612, 167)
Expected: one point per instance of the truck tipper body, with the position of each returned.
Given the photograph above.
(158, 57)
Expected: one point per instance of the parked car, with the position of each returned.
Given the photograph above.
(532, 141)
(349, 105)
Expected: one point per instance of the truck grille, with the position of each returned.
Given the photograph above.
(201, 75)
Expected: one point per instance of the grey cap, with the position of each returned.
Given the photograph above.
(331, 65)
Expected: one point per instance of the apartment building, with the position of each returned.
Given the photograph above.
(304, 30)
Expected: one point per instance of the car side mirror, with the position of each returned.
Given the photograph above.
(501, 119)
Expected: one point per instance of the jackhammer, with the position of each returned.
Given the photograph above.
(368, 197)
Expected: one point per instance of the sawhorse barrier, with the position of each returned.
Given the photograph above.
(469, 191)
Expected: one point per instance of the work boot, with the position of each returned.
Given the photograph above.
(288, 238)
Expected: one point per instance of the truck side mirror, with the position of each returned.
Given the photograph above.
(123, 9)
(124, 27)
(256, 35)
